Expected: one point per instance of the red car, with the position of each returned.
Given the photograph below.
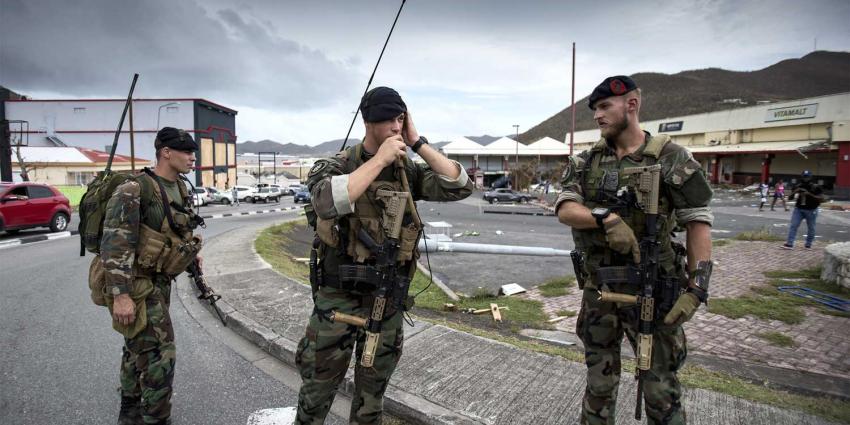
(27, 205)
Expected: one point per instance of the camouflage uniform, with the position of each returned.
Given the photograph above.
(325, 351)
(685, 194)
(147, 364)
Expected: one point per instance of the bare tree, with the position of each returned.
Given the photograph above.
(25, 166)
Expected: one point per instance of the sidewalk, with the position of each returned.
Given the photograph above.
(445, 376)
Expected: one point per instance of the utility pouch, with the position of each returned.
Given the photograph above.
(151, 248)
(407, 246)
(181, 256)
(327, 232)
(97, 280)
(356, 248)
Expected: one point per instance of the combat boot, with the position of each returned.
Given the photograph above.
(131, 411)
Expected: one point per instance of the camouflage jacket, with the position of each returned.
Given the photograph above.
(125, 212)
(328, 182)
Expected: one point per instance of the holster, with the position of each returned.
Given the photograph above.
(578, 267)
(315, 271)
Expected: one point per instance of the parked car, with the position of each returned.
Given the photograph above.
(244, 193)
(303, 195)
(266, 194)
(203, 196)
(506, 195)
(27, 205)
(293, 189)
(221, 196)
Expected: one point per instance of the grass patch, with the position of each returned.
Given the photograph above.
(720, 242)
(521, 311)
(766, 308)
(762, 234)
(566, 313)
(812, 273)
(273, 244)
(73, 193)
(777, 338)
(690, 376)
(557, 287)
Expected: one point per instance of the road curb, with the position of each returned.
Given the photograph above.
(213, 216)
(37, 238)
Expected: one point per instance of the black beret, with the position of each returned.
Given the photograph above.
(617, 85)
(170, 137)
(381, 104)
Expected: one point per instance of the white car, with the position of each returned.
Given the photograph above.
(221, 196)
(243, 193)
(202, 196)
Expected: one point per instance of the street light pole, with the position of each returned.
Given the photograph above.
(516, 158)
(160, 110)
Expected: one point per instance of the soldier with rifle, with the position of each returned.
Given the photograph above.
(364, 255)
(147, 241)
(623, 198)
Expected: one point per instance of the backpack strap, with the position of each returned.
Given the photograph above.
(165, 203)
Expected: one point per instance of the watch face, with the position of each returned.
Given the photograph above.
(599, 211)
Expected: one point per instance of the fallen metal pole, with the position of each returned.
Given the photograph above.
(480, 248)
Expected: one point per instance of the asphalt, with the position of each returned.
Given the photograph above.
(445, 376)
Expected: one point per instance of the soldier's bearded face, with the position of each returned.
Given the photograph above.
(612, 117)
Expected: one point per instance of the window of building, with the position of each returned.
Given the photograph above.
(79, 178)
(79, 110)
(172, 109)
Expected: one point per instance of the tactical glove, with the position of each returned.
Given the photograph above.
(683, 310)
(621, 238)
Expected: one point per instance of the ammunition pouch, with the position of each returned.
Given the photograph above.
(97, 281)
(164, 253)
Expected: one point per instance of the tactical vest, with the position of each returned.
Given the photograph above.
(163, 252)
(601, 183)
(340, 244)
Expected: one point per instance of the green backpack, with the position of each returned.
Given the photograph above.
(93, 205)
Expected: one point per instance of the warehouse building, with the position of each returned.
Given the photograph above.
(91, 124)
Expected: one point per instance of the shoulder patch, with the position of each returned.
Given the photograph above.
(318, 167)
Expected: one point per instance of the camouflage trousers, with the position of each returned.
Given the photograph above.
(601, 327)
(325, 351)
(147, 364)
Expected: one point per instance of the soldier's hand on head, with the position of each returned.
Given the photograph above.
(124, 309)
(683, 310)
(392, 149)
(409, 130)
(621, 237)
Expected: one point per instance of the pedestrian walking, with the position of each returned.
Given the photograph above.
(779, 194)
(809, 197)
(235, 194)
(763, 192)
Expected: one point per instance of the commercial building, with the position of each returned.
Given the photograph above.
(768, 141)
(91, 124)
(68, 166)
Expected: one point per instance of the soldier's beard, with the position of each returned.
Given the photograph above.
(614, 130)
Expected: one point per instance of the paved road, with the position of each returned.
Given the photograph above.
(60, 356)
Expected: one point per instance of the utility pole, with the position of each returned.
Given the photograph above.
(573, 102)
(516, 158)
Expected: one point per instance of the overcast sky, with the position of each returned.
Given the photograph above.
(295, 70)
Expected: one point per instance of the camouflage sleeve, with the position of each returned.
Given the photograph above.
(328, 186)
(571, 180)
(430, 186)
(120, 236)
(688, 186)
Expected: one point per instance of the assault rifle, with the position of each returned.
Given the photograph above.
(391, 286)
(646, 184)
(207, 293)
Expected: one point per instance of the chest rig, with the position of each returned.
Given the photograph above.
(344, 259)
(166, 242)
(605, 184)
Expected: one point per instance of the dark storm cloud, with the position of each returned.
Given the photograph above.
(91, 48)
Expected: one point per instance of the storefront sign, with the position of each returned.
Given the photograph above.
(792, 113)
(670, 126)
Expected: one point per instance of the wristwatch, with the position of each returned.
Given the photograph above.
(600, 214)
(422, 141)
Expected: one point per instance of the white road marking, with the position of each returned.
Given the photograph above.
(275, 416)
(720, 231)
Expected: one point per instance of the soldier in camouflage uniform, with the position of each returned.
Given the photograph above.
(607, 234)
(344, 198)
(142, 250)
